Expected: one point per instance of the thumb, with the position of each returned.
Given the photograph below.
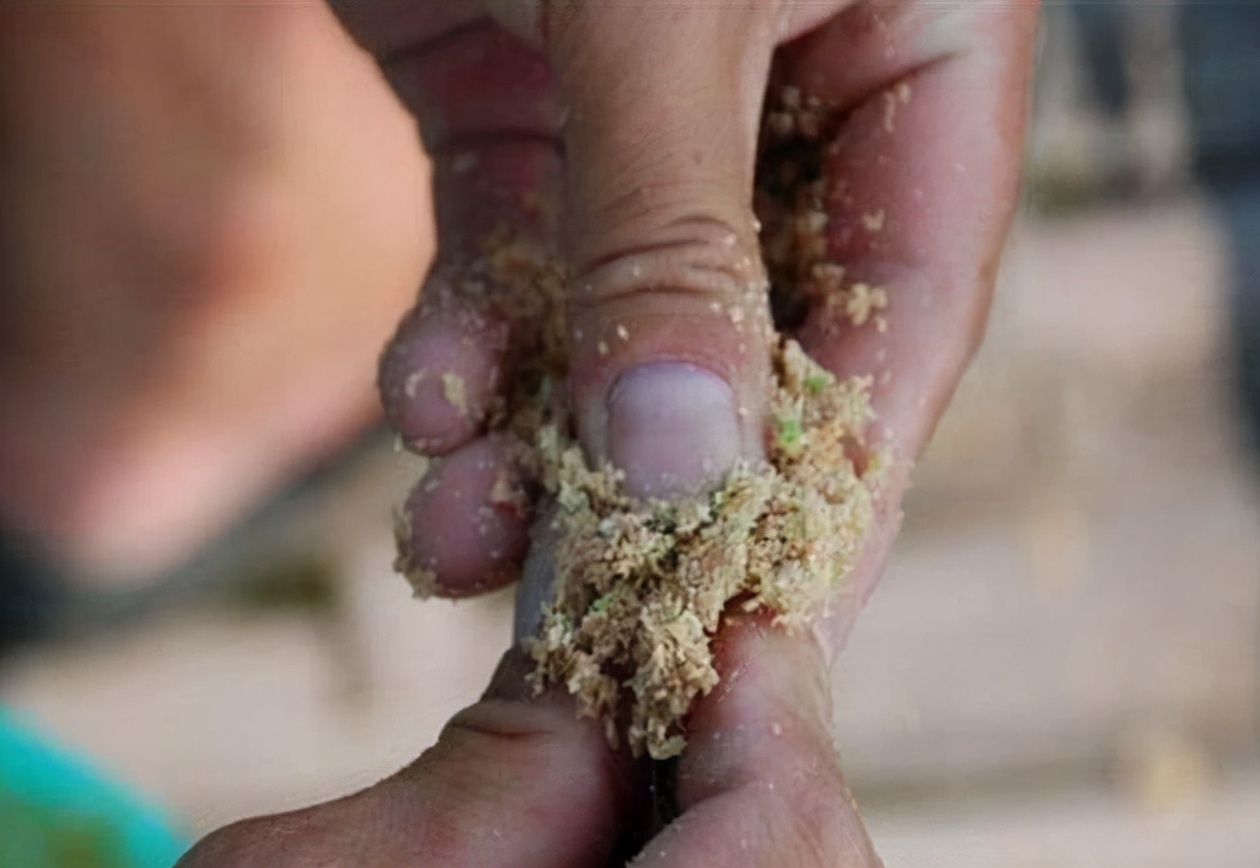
(667, 305)
(516, 779)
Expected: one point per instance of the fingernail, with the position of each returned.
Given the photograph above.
(673, 429)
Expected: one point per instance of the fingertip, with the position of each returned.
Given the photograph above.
(466, 522)
(770, 713)
(440, 377)
(760, 762)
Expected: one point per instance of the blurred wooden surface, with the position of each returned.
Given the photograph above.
(1074, 829)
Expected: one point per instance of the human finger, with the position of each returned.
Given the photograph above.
(489, 120)
(514, 780)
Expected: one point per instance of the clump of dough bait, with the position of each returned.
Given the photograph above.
(641, 586)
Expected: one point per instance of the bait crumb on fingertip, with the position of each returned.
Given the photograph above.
(422, 578)
(455, 391)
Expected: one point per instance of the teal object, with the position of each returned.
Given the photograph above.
(56, 811)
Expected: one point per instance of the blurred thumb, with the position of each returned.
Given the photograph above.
(667, 305)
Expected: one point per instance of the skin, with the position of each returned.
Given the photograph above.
(630, 132)
(652, 179)
(185, 210)
(623, 137)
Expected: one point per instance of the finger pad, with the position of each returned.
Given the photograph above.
(469, 520)
(438, 382)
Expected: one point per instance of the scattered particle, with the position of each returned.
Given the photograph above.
(455, 391)
(412, 384)
(816, 382)
(898, 94)
(890, 112)
(862, 301)
(508, 492)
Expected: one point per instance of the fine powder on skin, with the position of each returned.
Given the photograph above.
(641, 586)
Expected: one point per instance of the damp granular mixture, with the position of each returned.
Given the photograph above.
(641, 586)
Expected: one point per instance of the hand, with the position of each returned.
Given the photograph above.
(198, 265)
(518, 780)
(623, 136)
(652, 169)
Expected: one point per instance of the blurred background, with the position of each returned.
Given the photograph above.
(1061, 667)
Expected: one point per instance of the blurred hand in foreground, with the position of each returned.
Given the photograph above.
(212, 216)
